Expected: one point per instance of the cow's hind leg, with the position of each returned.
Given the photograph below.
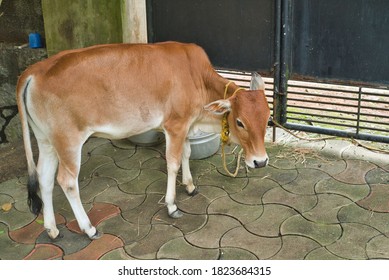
(68, 170)
(187, 179)
(47, 166)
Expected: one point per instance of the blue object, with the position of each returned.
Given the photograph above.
(34, 40)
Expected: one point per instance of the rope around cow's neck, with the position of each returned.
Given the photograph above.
(225, 136)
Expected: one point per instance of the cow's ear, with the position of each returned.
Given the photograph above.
(218, 107)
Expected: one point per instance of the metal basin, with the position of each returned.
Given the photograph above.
(149, 138)
(203, 144)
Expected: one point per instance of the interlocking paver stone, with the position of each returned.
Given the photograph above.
(200, 167)
(327, 208)
(15, 192)
(199, 203)
(355, 214)
(179, 248)
(327, 165)
(11, 250)
(125, 201)
(139, 158)
(116, 254)
(187, 224)
(97, 248)
(117, 154)
(236, 254)
(97, 186)
(144, 213)
(159, 186)
(15, 219)
(352, 243)
(230, 185)
(378, 247)
(92, 164)
(301, 203)
(45, 252)
(126, 231)
(355, 172)
(322, 254)
(282, 177)
(148, 247)
(155, 163)
(283, 162)
(125, 144)
(305, 181)
(209, 235)
(111, 170)
(262, 247)
(270, 221)
(322, 233)
(70, 242)
(351, 191)
(242, 212)
(377, 176)
(254, 191)
(30, 232)
(140, 183)
(378, 199)
(295, 248)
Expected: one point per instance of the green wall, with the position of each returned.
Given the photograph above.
(74, 24)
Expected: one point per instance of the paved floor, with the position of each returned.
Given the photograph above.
(316, 200)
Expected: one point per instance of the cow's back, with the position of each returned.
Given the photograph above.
(119, 85)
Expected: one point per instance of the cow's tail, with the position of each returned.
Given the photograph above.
(34, 201)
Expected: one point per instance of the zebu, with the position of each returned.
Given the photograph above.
(119, 90)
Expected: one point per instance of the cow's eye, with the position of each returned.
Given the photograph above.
(239, 123)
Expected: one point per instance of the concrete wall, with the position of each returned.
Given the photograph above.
(74, 24)
(12, 62)
(18, 18)
(67, 24)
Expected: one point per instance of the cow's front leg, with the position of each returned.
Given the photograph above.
(187, 179)
(174, 147)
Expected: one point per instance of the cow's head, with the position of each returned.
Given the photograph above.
(248, 115)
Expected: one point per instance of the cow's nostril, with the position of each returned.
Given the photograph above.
(259, 164)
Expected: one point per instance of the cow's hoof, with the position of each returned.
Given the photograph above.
(97, 235)
(194, 192)
(57, 238)
(176, 214)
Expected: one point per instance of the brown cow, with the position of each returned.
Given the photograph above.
(116, 91)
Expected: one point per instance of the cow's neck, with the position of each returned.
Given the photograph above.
(216, 85)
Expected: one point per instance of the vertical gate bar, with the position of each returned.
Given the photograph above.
(285, 57)
(280, 98)
(277, 62)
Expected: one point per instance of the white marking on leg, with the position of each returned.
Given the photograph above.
(173, 165)
(47, 166)
(68, 179)
(186, 174)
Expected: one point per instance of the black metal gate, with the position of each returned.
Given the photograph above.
(340, 47)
